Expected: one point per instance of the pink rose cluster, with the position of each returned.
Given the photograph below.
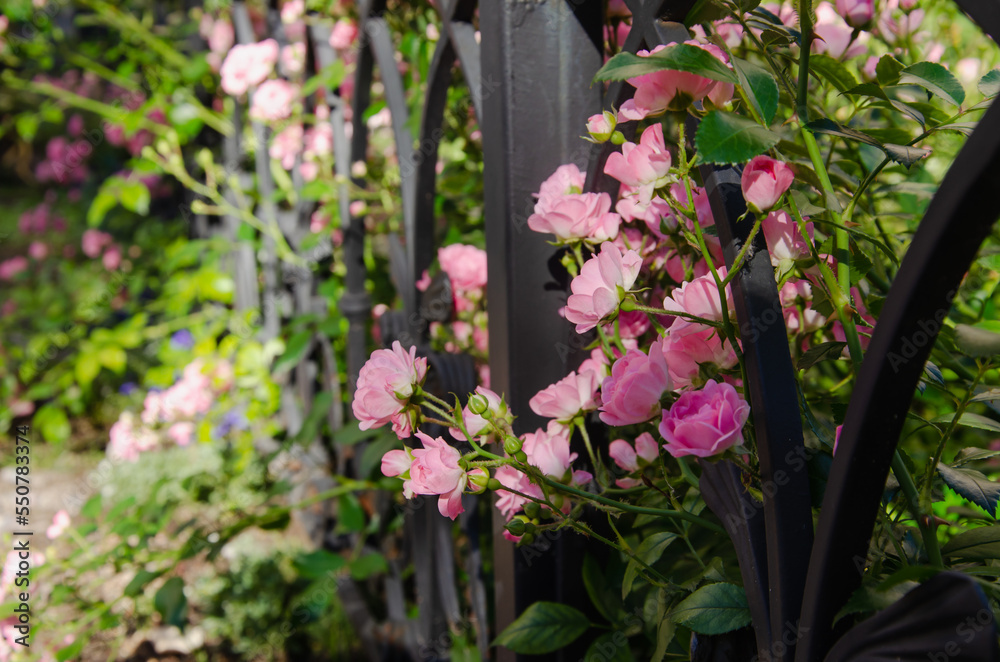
(173, 411)
(95, 243)
(386, 383)
(248, 65)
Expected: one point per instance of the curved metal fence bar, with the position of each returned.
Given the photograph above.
(958, 220)
(771, 390)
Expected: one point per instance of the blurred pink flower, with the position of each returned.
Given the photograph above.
(857, 13)
(273, 100)
(705, 422)
(465, 266)
(343, 34)
(834, 34)
(112, 257)
(94, 241)
(38, 250)
(181, 432)
(247, 65)
(12, 267)
(293, 58)
(292, 10)
(59, 524)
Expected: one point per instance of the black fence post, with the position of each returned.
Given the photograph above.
(542, 58)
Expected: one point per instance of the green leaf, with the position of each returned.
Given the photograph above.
(989, 85)
(171, 603)
(760, 88)
(822, 352)
(649, 551)
(935, 79)
(602, 596)
(52, 423)
(86, 369)
(967, 455)
(971, 420)
(829, 127)
(368, 565)
(972, 485)
(714, 609)
(832, 70)
(905, 154)
(610, 647)
(99, 208)
(318, 564)
(976, 342)
(978, 544)
(887, 70)
(544, 627)
(350, 515)
(139, 582)
(71, 652)
(112, 358)
(351, 434)
(867, 90)
(295, 351)
(676, 57)
(726, 138)
(705, 11)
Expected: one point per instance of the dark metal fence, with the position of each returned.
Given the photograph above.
(530, 85)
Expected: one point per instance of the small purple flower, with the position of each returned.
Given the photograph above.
(232, 420)
(128, 388)
(182, 340)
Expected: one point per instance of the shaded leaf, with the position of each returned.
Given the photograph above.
(832, 128)
(887, 70)
(649, 551)
(542, 628)
(760, 87)
(139, 582)
(971, 420)
(318, 564)
(989, 85)
(171, 603)
(610, 647)
(978, 544)
(714, 609)
(295, 351)
(972, 485)
(935, 79)
(867, 90)
(368, 565)
(833, 71)
(977, 342)
(726, 138)
(822, 352)
(905, 154)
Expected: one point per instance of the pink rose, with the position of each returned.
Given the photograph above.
(465, 266)
(293, 58)
(247, 65)
(627, 457)
(600, 286)
(601, 126)
(784, 241)
(565, 180)
(385, 384)
(764, 181)
(435, 470)
(549, 450)
(576, 216)
(222, 37)
(689, 346)
(672, 90)
(705, 422)
(796, 297)
(632, 393)
(597, 363)
(474, 423)
(12, 267)
(644, 167)
(273, 100)
(292, 11)
(571, 395)
(700, 297)
(834, 34)
(857, 12)
(508, 503)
